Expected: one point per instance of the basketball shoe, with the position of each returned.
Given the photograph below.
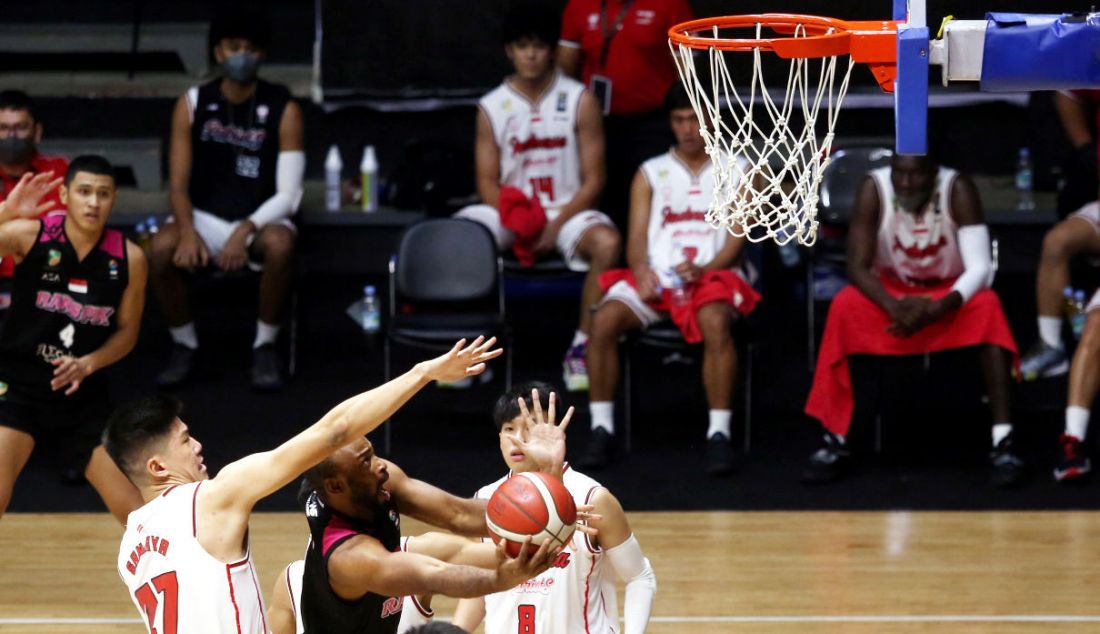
(1006, 468)
(575, 369)
(828, 463)
(719, 455)
(181, 363)
(598, 452)
(1074, 465)
(1043, 361)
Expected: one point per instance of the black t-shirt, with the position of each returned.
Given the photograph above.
(323, 612)
(61, 306)
(234, 149)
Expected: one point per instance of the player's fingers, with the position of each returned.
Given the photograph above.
(475, 369)
(484, 345)
(457, 348)
(72, 388)
(472, 348)
(523, 408)
(536, 404)
(525, 550)
(492, 354)
(568, 417)
(588, 530)
(551, 412)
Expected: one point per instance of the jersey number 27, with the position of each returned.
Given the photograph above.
(146, 596)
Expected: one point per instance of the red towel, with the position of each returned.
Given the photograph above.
(713, 286)
(857, 325)
(526, 218)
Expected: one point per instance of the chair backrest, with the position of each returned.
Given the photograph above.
(446, 260)
(843, 176)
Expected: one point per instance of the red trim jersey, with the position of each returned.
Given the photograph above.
(639, 65)
(39, 163)
(575, 596)
(178, 587)
(539, 154)
(918, 249)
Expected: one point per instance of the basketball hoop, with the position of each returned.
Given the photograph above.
(767, 171)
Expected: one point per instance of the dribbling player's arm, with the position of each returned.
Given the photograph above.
(241, 484)
(436, 507)
(487, 157)
(590, 143)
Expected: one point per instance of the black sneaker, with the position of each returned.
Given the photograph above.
(181, 362)
(828, 463)
(267, 373)
(1074, 465)
(719, 455)
(598, 453)
(1006, 468)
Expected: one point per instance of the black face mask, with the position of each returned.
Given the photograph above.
(15, 149)
(242, 67)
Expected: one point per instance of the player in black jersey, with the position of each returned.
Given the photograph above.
(79, 290)
(235, 165)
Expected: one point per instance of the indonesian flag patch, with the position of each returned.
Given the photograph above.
(78, 286)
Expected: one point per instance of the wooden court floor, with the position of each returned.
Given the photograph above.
(717, 571)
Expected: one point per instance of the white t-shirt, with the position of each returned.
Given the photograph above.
(538, 140)
(175, 584)
(918, 247)
(577, 594)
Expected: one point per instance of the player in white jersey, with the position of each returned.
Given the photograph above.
(680, 268)
(577, 594)
(919, 261)
(540, 138)
(185, 556)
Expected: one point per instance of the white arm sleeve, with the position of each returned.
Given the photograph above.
(975, 250)
(641, 584)
(290, 169)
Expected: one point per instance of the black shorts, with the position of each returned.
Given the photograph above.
(71, 424)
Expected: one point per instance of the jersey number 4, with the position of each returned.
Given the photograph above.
(146, 596)
(526, 619)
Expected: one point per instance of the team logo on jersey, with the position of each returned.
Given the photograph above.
(66, 335)
(506, 105)
(112, 269)
(51, 276)
(261, 113)
(562, 561)
(53, 258)
(562, 101)
(78, 285)
(645, 17)
(593, 21)
(391, 606)
(3, 391)
(662, 174)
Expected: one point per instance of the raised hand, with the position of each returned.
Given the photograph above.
(24, 200)
(462, 360)
(542, 438)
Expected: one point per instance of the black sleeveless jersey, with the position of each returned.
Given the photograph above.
(61, 306)
(323, 612)
(234, 149)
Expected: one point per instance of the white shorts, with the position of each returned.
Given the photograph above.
(1090, 213)
(568, 238)
(622, 291)
(215, 232)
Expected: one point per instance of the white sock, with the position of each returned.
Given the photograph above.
(1077, 421)
(603, 415)
(719, 422)
(185, 335)
(579, 339)
(1000, 432)
(1050, 331)
(265, 334)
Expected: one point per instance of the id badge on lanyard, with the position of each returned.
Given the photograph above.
(599, 83)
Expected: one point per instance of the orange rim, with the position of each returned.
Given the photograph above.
(868, 41)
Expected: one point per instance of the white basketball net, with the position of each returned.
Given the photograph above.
(766, 177)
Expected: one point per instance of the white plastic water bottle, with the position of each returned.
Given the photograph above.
(141, 235)
(1025, 181)
(371, 317)
(333, 167)
(1077, 322)
(368, 171)
(680, 292)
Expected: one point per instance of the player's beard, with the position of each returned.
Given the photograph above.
(913, 203)
(368, 502)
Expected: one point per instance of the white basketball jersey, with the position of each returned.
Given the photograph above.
(576, 595)
(538, 140)
(918, 247)
(678, 229)
(176, 585)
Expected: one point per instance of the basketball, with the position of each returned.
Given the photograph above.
(532, 504)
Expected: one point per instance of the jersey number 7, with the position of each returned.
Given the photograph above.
(146, 596)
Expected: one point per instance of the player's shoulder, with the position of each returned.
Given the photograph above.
(498, 98)
(486, 492)
(567, 83)
(579, 484)
(654, 163)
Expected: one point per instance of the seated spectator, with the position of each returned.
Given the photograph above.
(540, 168)
(1078, 234)
(920, 266)
(20, 134)
(236, 165)
(681, 268)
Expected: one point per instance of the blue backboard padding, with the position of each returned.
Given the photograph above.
(911, 91)
(1040, 52)
(901, 10)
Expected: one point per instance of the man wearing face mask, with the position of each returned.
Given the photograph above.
(921, 270)
(236, 167)
(20, 133)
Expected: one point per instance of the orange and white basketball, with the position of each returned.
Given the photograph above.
(532, 504)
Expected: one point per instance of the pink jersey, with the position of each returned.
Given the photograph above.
(178, 587)
(918, 248)
(575, 596)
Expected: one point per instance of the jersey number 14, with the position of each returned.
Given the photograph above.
(146, 596)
